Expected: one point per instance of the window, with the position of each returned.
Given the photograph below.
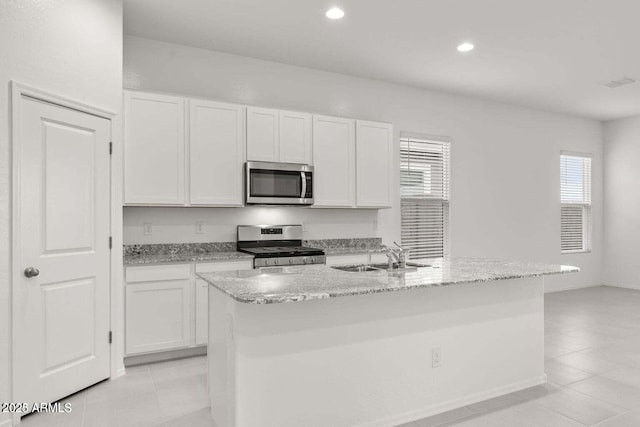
(424, 196)
(575, 203)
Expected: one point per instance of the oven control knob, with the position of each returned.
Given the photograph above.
(267, 262)
(305, 260)
(276, 262)
(290, 260)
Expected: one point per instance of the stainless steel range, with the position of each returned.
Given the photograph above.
(277, 245)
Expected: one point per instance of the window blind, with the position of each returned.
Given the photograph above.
(424, 196)
(575, 203)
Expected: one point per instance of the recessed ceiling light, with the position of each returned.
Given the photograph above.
(465, 47)
(335, 13)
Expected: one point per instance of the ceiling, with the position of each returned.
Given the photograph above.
(547, 54)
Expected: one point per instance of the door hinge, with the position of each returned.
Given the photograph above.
(110, 148)
(110, 337)
(110, 242)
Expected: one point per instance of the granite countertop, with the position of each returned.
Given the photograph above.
(186, 257)
(301, 283)
(367, 245)
(176, 253)
(354, 250)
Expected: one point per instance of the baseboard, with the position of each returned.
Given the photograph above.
(162, 356)
(121, 371)
(634, 287)
(455, 404)
(572, 288)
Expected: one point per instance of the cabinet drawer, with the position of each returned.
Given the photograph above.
(245, 264)
(151, 273)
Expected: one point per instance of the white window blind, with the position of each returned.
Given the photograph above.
(575, 203)
(424, 197)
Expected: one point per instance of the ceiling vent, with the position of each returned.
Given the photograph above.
(620, 82)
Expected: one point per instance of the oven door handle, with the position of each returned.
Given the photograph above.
(303, 175)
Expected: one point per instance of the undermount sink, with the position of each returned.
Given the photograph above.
(410, 266)
(356, 268)
(396, 266)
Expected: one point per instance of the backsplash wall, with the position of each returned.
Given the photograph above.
(178, 225)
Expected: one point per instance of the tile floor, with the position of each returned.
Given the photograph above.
(592, 362)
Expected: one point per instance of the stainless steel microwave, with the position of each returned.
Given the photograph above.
(278, 183)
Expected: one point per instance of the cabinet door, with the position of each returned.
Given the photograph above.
(202, 294)
(202, 312)
(333, 161)
(157, 316)
(154, 149)
(374, 164)
(295, 137)
(263, 135)
(216, 153)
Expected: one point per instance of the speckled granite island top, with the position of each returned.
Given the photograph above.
(301, 283)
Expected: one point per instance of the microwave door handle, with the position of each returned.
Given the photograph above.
(304, 184)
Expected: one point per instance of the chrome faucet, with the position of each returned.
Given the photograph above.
(402, 255)
(398, 255)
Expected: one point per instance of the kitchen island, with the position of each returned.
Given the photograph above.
(318, 346)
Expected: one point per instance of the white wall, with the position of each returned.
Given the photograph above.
(622, 202)
(69, 47)
(505, 159)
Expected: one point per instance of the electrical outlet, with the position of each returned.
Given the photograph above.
(305, 227)
(148, 229)
(375, 224)
(199, 227)
(436, 357)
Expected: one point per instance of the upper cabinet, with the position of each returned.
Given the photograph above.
(334, 161)
(374, 164)
(263, 134)
(278, 136)
(189, 152)
(295, 137)
(216, 153)
(154, 149)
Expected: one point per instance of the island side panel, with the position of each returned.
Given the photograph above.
(221, 357)
(367, 360)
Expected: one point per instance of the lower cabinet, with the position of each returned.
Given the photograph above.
(202, 294)
(167, 306)
(158, 308)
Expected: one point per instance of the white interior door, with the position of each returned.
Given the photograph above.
(61, 330)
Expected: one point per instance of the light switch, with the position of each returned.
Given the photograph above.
(148, 229)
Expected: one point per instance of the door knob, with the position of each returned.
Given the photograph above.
(31, 272)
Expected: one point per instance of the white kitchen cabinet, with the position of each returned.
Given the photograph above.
(278, 136)
(263, 134)
(158, 303)
(374, 164)
(216, 153)
(202, 294)
(202, 312)
(295, 137)
(154, 150)
(167, 306)
(334, 162)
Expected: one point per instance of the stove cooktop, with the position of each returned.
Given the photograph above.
(277, 245)
(276, 251)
